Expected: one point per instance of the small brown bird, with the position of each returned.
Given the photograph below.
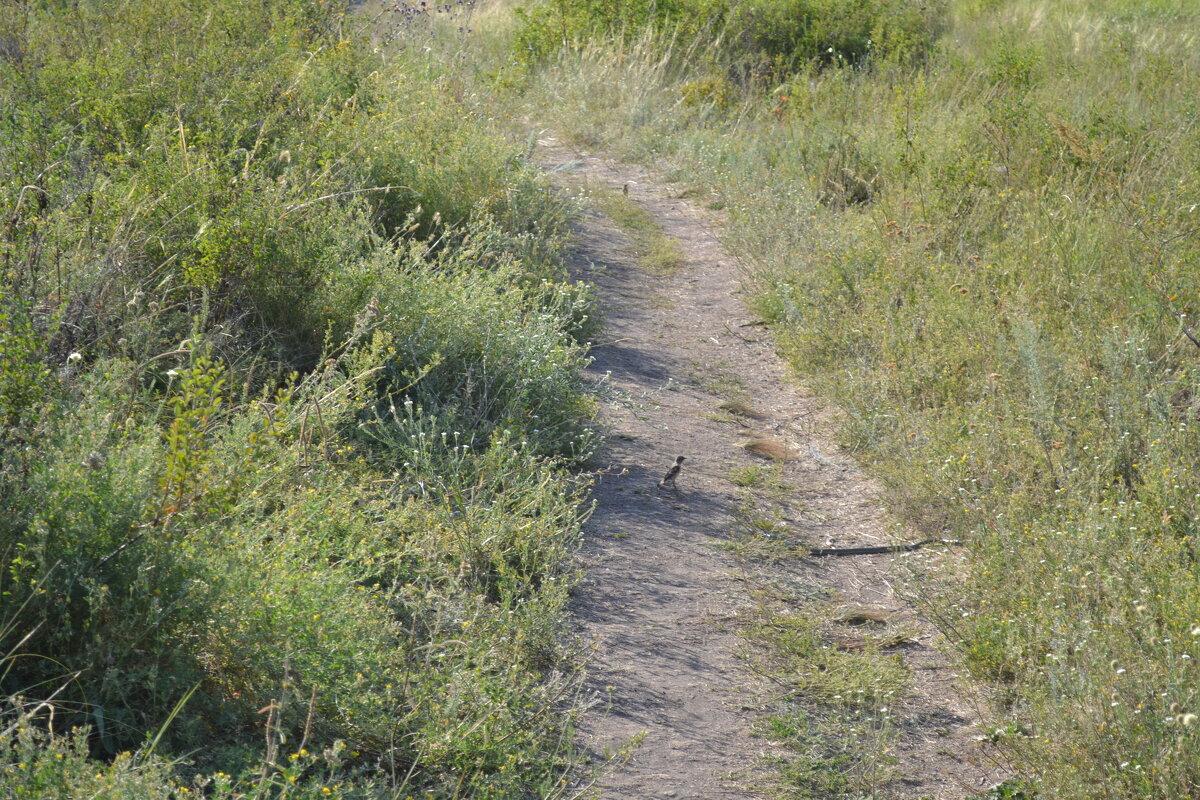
(672, 474)
(625, 190)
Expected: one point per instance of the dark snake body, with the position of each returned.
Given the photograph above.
(873, 551)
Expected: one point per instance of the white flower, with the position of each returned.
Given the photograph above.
(76, 356)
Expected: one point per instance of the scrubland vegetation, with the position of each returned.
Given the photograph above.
(289, 366)
(289, 388)
(981, 242)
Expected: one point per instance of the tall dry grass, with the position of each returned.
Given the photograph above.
(989, 263)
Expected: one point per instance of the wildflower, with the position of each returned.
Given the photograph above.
(76, 356)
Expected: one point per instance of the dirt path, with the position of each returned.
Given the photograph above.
(662, 596)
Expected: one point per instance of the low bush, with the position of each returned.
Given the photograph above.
(770, 37)
(289, 386)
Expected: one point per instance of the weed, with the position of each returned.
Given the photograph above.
(718, 379)
(289, 386)
(835, 720)
(749, 476)
(767, 482)
(1005, 324)
(756, 543)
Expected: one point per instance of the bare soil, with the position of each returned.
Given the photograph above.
(662, 597)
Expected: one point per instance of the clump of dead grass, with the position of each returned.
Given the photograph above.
(769, 447)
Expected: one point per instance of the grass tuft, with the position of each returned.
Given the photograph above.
(769, 448)
(656, 253)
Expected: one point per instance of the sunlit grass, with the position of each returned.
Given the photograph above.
(1004, 318)
(289, 388)
(655, 252)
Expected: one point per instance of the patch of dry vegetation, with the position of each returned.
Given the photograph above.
(768, 447)
(1005, 312)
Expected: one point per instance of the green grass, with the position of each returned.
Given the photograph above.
(833, 678)
(655, 252)
(750, 476)
(288, 373)
(720, 379)
(289, 394)
(987, 262)
(755, 42)
(833, 718)
(765, 481)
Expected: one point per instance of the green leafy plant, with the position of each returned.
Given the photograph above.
(289, 386)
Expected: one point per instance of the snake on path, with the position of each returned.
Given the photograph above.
(872, 551)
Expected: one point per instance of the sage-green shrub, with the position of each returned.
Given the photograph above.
(770, 37)
(289, 385)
